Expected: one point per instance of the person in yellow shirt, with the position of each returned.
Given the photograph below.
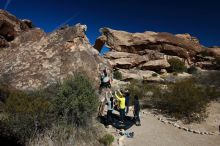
(121, 100)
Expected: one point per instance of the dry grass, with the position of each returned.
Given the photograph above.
(66, 136)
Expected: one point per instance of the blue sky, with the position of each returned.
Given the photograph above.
(199, 18)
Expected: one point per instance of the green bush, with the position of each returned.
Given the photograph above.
(135, 88)
(176, 65)
(25, 116)
(140, 89)
(72, 103)
(210, 78)
(184, 100)
(76, 101)
(210, 82)
(117, 75)
(107, 140)
(212, 93)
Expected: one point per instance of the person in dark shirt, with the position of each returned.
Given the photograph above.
(127, 100)
(110, 106)
(136, 111)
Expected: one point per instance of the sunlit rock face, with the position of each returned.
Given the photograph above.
(10, 26)
(35, 59)
(151, 50)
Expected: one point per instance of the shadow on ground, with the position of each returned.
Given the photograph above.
(129, 122)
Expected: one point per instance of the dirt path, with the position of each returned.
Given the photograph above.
(154, 133)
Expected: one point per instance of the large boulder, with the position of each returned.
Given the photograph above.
(155, 65)
(134, 74)
(38, 60)
(153, 49)
(10, 26)
(3, 43)
(99, 43)
(125, 60)
(188, 37)
(29, 36)
(209, 59)
(137, 43)
(207, 65)
(213, 51)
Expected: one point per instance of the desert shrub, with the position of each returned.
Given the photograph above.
(184, 100)
(154, 75)
(140, 89)
(67, 135)
(192, 70)
(117, 75)
(107, 139)
(70, 104)
(212, 92)
(135, 88)
(176, 65)
(25, 116)
(210, 78)
(210, 82)
(76, 101)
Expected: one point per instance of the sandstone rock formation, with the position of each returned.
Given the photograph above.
(100, 42)
(125, 60)
(10, 26)
(148, 45)
(128, 75)
(34, 59)
(155, 65)
(151, 50)
(214, 52)
(209, 58)
(140, 42)
(30, 58)
(188, 37)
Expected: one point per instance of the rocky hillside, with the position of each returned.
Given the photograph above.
(30, 58)
(138, 54)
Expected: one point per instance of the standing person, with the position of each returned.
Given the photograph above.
(136, 111)
(110, 106)
(121, 99)
(101, 106)
(127, 100)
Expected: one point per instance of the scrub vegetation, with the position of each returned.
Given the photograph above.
(63, 111)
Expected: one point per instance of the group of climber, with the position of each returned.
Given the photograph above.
(119, 100)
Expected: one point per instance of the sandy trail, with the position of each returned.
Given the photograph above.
(154, 133)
